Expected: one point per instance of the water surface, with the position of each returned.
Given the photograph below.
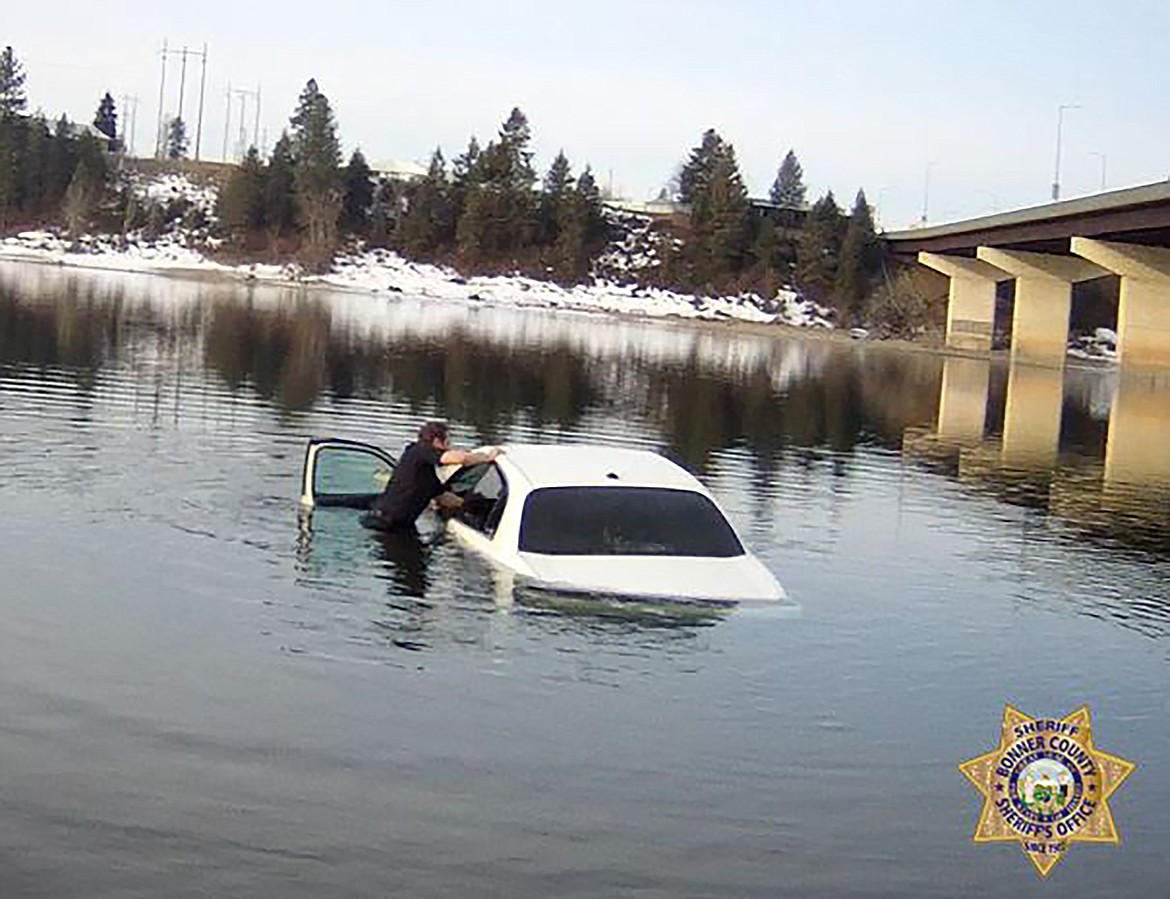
(207, 694)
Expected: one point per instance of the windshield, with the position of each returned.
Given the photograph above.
(625, 521)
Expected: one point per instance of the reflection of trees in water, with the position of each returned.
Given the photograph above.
(293, 355)
(494, 386)
(81, 330)
(837, 407)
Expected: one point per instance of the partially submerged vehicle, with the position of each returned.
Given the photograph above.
(573, 519)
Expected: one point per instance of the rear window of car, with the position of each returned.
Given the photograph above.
(625, 521)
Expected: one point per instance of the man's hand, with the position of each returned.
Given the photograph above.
(448, 502)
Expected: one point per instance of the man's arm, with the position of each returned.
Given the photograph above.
(466, 457)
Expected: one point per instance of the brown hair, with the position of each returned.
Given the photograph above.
(432, 429)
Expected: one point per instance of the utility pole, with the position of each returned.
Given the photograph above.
(162, 87)
(256, 126)
(129, 120)
(162, 123)
(227, 122)
(926, 192)
(202, 85)
(241, 146)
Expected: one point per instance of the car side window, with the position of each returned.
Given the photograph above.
(484, 504)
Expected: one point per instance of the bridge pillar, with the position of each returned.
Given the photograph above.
(1043, 300)
(1143, 313)
(971, 301)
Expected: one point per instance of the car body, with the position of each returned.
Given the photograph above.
(574, 518)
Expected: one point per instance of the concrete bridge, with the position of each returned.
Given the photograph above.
(1045, 250)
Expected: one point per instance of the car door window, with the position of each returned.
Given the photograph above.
(484, 499)
(344, 473)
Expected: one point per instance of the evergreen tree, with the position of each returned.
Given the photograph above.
(557, 185)
(766, 247)
(280, 202)
(726, 228)
(859, 259)
(37, 141)
(358, 183)
(466, 168)
(87, 186)
(818, 248)
(500, 196)
(589, 196)
(60, 163)
(788, 190)
(696, 171)
(105, 120)
(176, 139)
(12, 132)
(471, 232)
(242, 202)
(428, 224)
(465, 173)
(579, 225)
(317, 167)
(12, 96)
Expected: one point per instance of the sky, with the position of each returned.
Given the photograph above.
(945, 107)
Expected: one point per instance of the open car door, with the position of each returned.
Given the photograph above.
(346, 473)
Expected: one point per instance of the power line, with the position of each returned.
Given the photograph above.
(166, 53)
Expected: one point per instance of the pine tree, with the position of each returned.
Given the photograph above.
(87, 186)
(37, 140)
(176, 139)
(105, 120)
(767, 244)
(471, 233)
(428, 223)
(317, 166)
(580, 224)
(514, 157)
(557, 184)
(728, 223)
(60, 164)
(12, 137)
(696, 171)
(818, 248)
(12, 96)
(589, 196)
(859, 259)
(788, 190)
(358, 183)
(280, 202)
(241, 204)
(719, 221)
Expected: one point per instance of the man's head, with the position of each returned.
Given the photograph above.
(436, 434)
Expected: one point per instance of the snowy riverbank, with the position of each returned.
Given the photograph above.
(184, 244)
(385, 272)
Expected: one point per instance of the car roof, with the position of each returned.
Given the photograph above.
(568, 465)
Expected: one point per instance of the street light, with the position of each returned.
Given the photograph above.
(926, 191)
(1103, 159)
(1059, 127)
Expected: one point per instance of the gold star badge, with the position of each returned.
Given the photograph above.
(1046, 786)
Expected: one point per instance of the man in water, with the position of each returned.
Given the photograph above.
(415, 482)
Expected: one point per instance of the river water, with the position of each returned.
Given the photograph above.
(206, 694)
